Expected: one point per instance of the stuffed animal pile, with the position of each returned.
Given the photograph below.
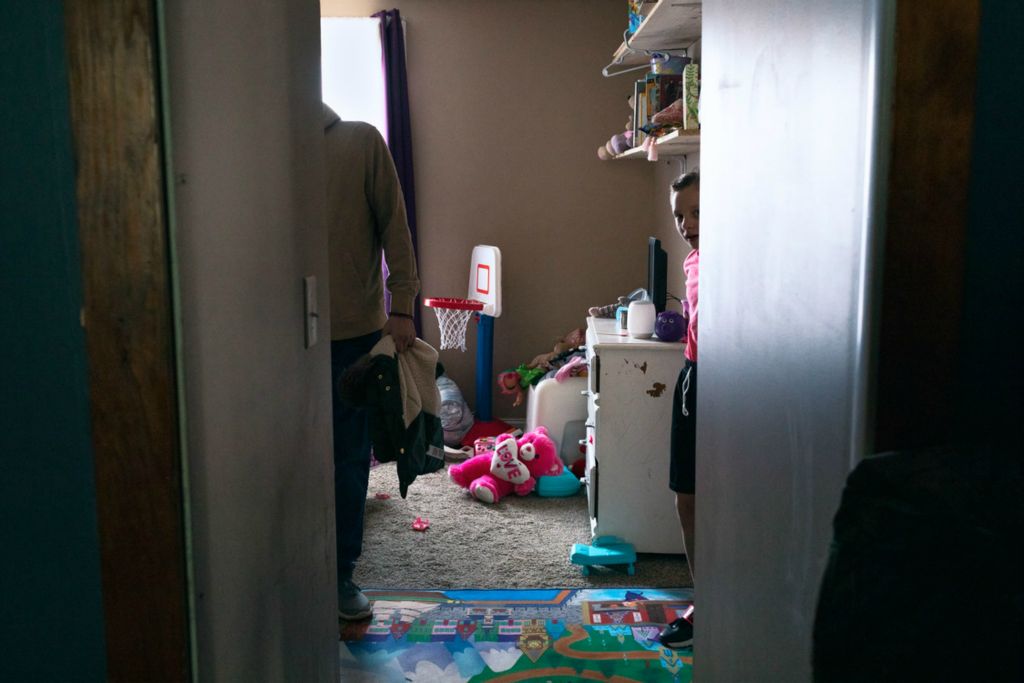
(518, 381)
(512, 467)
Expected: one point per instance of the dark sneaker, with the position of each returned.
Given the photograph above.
(352, 604)
(679, 634)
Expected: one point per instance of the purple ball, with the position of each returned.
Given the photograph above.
(670, 326)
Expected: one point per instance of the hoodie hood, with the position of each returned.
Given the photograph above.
(330, 117)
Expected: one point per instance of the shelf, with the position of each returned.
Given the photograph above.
(671, 25)
(676, 143)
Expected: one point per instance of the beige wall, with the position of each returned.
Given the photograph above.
(509, 106)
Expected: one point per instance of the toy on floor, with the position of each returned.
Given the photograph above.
(489, 477)
(457, 454)
(485, 444)
(558, 486)
(605, 551)
(513, 467)
(546, 461)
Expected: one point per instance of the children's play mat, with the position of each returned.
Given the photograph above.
(546, 635)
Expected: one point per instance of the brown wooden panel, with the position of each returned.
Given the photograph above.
(111, 48)
(923, 281)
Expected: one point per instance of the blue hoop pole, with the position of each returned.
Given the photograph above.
(484, 357)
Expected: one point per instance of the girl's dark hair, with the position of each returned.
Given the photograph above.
(685, 180)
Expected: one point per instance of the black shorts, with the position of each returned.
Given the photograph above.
(682, 470)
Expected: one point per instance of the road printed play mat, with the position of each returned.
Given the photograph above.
(550, 635)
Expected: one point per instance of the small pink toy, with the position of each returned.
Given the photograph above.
(420, 524)
(484, 444)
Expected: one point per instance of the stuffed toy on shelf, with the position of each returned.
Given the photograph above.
(516, 382)
(512, 467)
(620, 142)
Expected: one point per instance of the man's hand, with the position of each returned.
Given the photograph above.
(401, 330)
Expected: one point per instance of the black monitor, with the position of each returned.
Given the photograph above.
(657, 272)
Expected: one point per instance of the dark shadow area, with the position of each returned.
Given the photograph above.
(924, 580)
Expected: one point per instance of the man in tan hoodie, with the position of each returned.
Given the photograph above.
(366, 219)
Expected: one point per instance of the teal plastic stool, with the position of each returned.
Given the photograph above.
(606, 551)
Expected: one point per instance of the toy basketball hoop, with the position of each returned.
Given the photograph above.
(453, 316)
(483, 297)
(483, 300)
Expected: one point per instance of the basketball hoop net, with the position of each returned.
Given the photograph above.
(453, 316)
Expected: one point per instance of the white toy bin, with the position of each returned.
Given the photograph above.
(562, 408)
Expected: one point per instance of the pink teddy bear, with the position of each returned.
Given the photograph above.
(512, 467)
(546, 461)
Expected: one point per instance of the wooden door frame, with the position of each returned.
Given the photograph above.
(114, 79)
(920, 308)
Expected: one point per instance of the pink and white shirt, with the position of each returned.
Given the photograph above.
(691, 267)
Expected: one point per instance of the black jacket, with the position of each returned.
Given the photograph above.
(371, 383)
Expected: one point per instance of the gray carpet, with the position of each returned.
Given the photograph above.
(521, 542)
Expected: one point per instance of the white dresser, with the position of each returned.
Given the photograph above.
(629, 408)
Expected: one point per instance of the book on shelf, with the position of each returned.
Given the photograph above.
(662, 90)
(691, 96)
(639, 111)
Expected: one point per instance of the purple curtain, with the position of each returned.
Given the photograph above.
(399, 133)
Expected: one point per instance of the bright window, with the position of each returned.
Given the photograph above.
(352, 70)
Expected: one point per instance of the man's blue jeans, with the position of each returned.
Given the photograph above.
(351, 456)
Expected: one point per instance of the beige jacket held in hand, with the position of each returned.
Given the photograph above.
(365, 216)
